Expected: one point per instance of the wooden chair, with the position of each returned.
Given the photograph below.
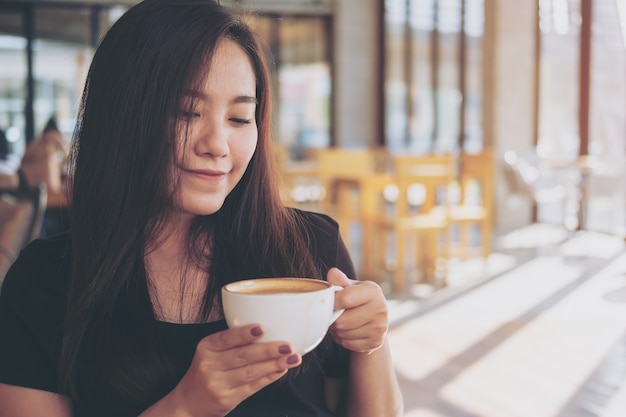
(474, 208)
(341, 172)
(417, 206)
(300, 183)
(21, 217)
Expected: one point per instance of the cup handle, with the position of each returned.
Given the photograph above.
(336, 313)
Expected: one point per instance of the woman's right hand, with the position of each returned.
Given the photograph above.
(227, 368)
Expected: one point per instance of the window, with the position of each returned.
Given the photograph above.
(61, 38)
(607, 121)
(433, 73)
(12, 81)
(559, 24)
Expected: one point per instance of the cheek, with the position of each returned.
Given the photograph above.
(244, 150)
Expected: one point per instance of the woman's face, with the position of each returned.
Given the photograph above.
(222, 132)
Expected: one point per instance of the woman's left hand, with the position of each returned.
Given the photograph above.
(363, 325)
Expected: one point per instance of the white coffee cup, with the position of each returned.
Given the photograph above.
(294, 310)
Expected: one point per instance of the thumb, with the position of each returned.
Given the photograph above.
(336, 277)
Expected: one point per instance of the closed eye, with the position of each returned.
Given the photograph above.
(241, 121)
(189, 114)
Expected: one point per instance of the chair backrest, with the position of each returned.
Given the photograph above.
(476, 177)
(333, 161)
(426, 176)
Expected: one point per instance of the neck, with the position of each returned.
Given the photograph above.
(177, 285)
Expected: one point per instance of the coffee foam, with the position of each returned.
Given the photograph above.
(276, 286)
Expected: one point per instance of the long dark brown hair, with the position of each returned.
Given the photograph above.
(123, 151)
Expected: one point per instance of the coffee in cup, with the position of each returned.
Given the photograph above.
(294, 310)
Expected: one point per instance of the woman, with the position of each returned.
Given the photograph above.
(174, 195)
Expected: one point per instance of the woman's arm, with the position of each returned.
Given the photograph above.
(372, 389)
(27, 402)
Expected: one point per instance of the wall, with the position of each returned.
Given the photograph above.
(356, 72)
(509, 96)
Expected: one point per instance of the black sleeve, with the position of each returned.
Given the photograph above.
(343, 258)
(327, 245)
(31, 311)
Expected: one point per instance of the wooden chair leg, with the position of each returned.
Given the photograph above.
(399, 271)
(486, 237)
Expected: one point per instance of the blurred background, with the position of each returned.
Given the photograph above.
(519, 108)
(545, 76)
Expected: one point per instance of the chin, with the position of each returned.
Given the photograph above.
(201, 203)
(202, 208)
(207, 211)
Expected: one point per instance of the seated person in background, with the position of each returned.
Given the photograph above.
(44, 161)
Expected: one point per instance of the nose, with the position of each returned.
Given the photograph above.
(212, 140)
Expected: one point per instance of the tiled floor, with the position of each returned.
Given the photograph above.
(540, 333)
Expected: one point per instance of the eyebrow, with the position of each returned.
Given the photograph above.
(239, 99)
(246, 99)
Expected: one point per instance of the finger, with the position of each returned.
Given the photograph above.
(358, 341)
(354, 327)
(358, 333)
(360, 308)
(251, 374)
(364, 316)
(227, 393)
(336, 277)
(247, 389)
(254, 353)
(358, 294)
(349, 321)
(231, 338)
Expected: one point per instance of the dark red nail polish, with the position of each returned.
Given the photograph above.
(292, 359)
(256, 331)
(284, 349)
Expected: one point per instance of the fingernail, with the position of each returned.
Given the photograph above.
(256, 331)
(292, 359)
(284, 349)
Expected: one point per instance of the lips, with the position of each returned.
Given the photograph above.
(207, 175)
(207, 172)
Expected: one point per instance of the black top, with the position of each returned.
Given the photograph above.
(32, 305)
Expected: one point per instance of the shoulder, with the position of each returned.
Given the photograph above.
(321, 233)
(32, 308)
(42, 267)
(316, 222)
(319, 228)
(325, 241)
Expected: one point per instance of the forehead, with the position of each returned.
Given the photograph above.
(230, 69)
